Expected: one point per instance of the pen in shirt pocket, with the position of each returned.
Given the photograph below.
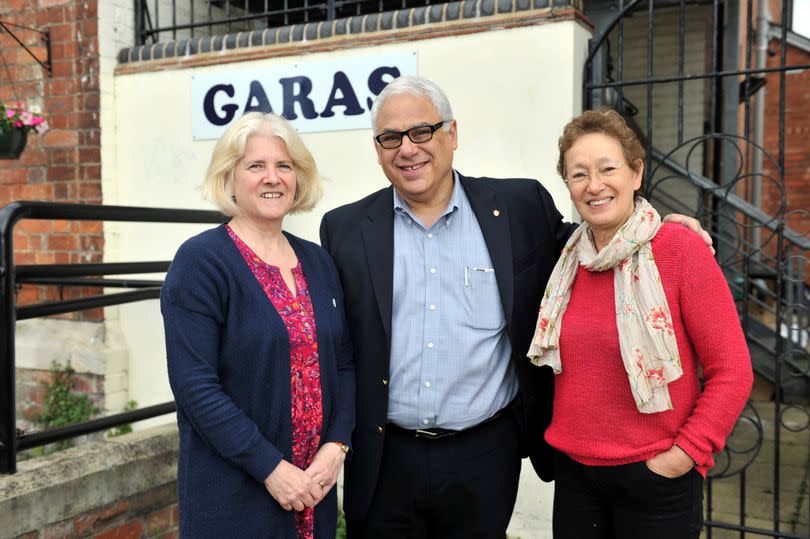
(468, 269)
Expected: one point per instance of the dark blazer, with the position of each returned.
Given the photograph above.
(229, 368)
(524, 233)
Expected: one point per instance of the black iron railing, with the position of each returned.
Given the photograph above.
(70, 275)
(693, 77)
(157, 20)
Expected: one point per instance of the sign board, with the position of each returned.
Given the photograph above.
(331, 95)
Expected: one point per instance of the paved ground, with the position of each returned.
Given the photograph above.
(532, 516)
(766, 493)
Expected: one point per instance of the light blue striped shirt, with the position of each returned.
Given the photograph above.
(450, 354)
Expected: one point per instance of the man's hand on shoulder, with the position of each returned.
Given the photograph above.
(692, 224)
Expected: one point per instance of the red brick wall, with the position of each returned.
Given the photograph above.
(64, 165)
(148, 514)
(796, 135)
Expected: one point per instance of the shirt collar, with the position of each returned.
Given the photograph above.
(453, 205)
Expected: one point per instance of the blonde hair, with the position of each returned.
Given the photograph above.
(607, 122)
(230, 148)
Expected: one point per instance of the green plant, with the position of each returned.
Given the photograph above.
(62, 406)
(127, 427)
(341, 526)
(17, 116)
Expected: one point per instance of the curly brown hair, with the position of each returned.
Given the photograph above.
(605, 121)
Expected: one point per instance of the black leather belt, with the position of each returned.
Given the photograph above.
(437, 433)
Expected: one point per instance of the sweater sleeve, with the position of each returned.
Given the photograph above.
(712, 325)
(193, 311)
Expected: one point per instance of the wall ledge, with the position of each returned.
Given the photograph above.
(454, 18)
(77, 480)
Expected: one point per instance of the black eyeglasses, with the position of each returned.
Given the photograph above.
(418, 135)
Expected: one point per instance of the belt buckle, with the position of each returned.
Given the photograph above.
(434, 434)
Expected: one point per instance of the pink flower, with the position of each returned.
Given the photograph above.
(42, 127)
(18, 117)
(658, 319)
(656, 376)
(628, 308)
(543, 325)
(639, 358)
(647, 216)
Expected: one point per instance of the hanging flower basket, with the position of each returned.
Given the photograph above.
(15, 123)
(12, 143)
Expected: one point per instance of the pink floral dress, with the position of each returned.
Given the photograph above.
(305, 375)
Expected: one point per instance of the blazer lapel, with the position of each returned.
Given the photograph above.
(377, 230)
(493, 218)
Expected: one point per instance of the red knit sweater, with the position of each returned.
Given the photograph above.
(595, 419)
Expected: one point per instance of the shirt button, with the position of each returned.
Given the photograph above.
(379, 429)
(430, 234)
(427, 384)
(425, 421)
(432, 307)
(430, 345)
(432, 270)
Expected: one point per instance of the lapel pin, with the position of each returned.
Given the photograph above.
(496, 213)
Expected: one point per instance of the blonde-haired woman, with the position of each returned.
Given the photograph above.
(633, 313)
(258, 352)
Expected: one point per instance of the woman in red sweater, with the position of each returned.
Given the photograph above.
(633, 313)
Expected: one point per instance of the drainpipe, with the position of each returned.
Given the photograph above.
(758, 121)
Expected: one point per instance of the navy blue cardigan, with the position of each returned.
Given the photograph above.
(229, 369)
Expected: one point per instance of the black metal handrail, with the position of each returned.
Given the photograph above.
(729, 197)
(79, 275)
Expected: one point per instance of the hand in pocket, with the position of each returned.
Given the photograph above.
(672, 463)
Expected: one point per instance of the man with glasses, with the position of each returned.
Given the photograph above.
(442, 276)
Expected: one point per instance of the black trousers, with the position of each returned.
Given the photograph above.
(460, 486)
(625, 502)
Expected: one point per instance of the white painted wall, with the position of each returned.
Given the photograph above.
(116, 31)
(512, 90)
(510, 99)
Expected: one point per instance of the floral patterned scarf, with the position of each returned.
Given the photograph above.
(646, 337)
